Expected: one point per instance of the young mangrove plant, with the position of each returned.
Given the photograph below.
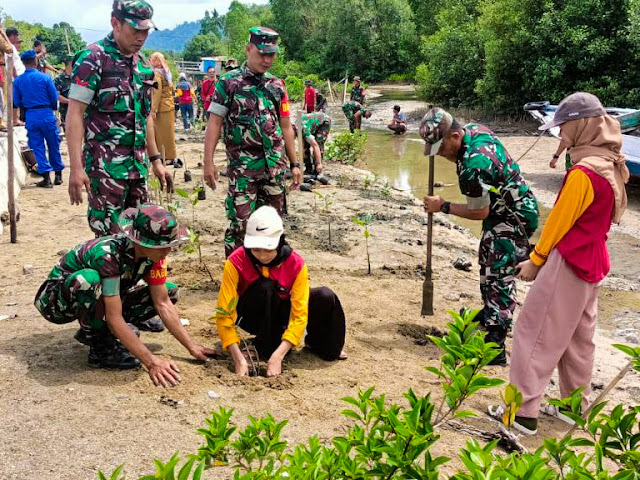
(365, 221)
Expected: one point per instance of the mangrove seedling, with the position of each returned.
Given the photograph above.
(364, 221)
(326, 209)
(193, 198)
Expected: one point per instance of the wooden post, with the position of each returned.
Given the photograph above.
(344, 94)
(300, 139)
(11, 174)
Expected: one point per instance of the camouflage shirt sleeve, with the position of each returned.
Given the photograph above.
(221, 100)
(475, 180)
(85, 80)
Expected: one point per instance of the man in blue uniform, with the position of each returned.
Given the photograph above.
(35, 92)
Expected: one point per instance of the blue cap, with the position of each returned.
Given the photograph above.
(28, 55)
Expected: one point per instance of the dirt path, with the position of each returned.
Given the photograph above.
(63, 419)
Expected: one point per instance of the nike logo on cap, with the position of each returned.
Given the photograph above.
(261, 229)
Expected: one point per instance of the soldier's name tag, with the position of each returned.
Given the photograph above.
(113, 73)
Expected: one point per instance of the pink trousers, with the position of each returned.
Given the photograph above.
(554, 328)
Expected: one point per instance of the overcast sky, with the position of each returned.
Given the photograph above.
(91, 17)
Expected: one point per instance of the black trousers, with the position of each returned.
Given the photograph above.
(264, 314)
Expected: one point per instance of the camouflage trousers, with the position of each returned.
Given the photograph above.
(501, 249)
(107, 200)
(78, 297)
(249, 190)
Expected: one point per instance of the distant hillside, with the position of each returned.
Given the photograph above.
(172, 40)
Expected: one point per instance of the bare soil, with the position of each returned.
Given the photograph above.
(63, 419)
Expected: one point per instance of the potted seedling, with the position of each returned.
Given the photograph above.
(364, 221)
(187, 172)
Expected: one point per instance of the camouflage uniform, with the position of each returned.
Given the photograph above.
(251, 106)
(357, 95)
(118, 92)
(350, 109)
(73, 289)
(63, 85)
(488, 176)
(314, 126)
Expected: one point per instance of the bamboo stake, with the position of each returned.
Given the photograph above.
(10, 159)
(344, 94)
(66, 36)
(333, 100)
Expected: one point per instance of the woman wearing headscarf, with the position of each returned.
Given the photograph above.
(265, 291)
(163, 108)
(558, 318)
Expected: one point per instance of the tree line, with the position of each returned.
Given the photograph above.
(494, 55)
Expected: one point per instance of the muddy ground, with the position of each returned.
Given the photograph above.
(63, 419)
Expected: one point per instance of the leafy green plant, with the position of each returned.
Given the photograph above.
(365, 221)
(465, 353)
(193, 200)
(386, 441)
(347, 147)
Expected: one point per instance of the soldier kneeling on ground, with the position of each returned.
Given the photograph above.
(265, 291)
(112, 284)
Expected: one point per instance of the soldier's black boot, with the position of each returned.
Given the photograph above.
(153, 324)
(106, 352)
(497, 334)
(82, 337)
(58, 179)
(46, 181)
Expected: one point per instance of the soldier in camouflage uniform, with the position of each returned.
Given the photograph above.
(315, 130)
(63, 85)
(113, 283)
(110, 101)
(354, 111)
(496, 194)
(253, 107)
(357, 92)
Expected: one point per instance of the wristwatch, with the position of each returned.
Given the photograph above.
(155, 157)
(445, 207)
(294, 165)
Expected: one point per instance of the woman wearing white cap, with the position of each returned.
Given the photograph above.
(274, 301)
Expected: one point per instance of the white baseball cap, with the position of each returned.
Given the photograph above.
(264, 229)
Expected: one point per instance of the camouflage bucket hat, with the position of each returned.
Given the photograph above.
(136, 13)
(265, 39)
(152, 226)
(435, 124)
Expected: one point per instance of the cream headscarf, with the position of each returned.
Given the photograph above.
(595, 144)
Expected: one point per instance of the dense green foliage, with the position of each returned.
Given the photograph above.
(54, 38)
(500, 54)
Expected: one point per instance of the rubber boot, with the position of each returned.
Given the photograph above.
(106, 352)
(58, 178)
(46, 181)
(497, 334)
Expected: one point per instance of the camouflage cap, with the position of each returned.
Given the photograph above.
(152, 226)
(136, 13)
(435, 124)
(265, 39)
(356, 78)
